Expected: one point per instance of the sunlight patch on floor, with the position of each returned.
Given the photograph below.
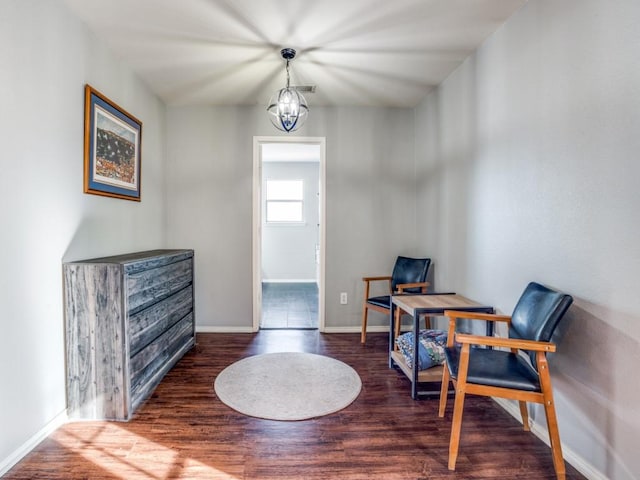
(127, 455)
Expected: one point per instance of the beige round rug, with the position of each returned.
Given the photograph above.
(287, 386)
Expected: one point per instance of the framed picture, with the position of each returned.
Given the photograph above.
(112, 140)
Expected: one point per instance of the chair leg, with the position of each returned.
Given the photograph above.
(554, 437)
(444, 391)
(397, 322)
(458, 405)
(550, 413)
(363, 335)
(525, 415)
(456, 427)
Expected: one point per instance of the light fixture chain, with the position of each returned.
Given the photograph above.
(287, 73)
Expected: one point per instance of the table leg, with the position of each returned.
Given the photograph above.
(489, 327)
(414, 379)
(392, 339)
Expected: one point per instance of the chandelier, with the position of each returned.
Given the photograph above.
(288, 108)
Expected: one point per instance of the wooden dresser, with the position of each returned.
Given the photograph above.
(129, 319)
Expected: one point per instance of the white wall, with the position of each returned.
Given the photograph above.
(527, 168)
(528, 163)
(289, 251)
(46, 59)
(370, 201)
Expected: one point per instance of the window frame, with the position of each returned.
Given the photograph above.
(284, 200)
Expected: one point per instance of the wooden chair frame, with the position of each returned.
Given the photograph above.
(462, 387)
(400, 288)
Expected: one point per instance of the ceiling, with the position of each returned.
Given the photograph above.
(357, 52)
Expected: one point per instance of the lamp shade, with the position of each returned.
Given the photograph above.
(288, 109)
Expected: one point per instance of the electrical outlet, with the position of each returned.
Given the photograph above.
(343, 298)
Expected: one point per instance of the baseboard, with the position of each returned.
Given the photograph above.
(30, 444)
(299, 280)
(208, 329)
(373, 329)
(576, 461)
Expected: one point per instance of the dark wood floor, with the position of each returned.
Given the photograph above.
(183, 431)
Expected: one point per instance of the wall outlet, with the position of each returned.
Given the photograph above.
(343, 298)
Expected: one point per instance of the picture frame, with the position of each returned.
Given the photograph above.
(112, 148)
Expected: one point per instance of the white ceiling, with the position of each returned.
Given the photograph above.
(357, 52)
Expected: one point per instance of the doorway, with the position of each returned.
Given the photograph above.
(288, 232)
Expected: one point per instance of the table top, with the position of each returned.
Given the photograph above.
(435, 303)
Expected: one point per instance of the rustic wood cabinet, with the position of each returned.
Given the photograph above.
(129, 319)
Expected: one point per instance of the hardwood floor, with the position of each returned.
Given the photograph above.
(184, 432)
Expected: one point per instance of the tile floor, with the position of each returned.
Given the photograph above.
(289, 305)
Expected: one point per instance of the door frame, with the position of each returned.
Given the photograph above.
(258, 141)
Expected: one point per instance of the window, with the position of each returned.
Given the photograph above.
(284, 201)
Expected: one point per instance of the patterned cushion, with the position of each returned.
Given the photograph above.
(430, 348)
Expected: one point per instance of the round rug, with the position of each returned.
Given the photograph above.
(287, 386)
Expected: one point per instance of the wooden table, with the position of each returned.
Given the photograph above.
(430, 305)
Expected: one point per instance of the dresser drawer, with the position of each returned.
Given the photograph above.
(146, 325)
(156, 358)
(147, 287)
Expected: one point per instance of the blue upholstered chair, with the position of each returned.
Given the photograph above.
(409, 276)
(507, 374)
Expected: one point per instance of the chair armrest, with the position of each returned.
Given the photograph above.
(506, 342)
(373, 279)
(455, 315)
(401, 287)
(490, 317)
(367, 284)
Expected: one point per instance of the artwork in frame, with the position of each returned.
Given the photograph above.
(112, 141)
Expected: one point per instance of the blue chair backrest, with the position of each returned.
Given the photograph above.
(537, 314)
(409, 270)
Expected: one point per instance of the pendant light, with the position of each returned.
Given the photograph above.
(288, 108)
